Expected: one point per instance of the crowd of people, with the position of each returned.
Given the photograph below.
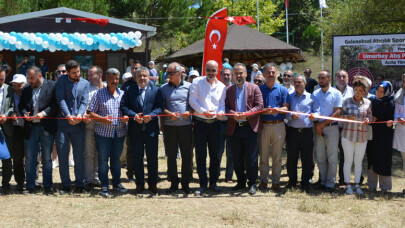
(250, 117)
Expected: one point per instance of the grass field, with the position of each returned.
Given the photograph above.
(229, 208)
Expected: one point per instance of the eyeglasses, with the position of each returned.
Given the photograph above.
(306, 72)
(61, 71)
(257, 81)
(134, 68)
(287, 75)
(169, 73)
(211, 70)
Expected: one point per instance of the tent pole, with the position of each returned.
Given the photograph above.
(257, 9)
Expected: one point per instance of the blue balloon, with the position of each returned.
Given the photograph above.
(132, 43)
(1, 39)
(95, 46)
(12, 48)
(125, 40)
(65, 48)
(107, 45)
(119, 36)
(58, 45)
(25, 40)
(83, 45)
(13, 33)
(71, 37)
(76, 41)
(89, 35)
(38, 34)
(6, 44)
(89, 48)
(101, 41)
(114, 47)
(32, 45)
(45, 37)
(112, 34)
(64, 34)
(95, 39)
(39, 48)
(51, 41)
(19, 36)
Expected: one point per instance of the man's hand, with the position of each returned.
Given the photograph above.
(209, 114)
(71, 121)
(27, 116)
(86, 119)
(40, 115)
(146, 118)
(242, 115)
(107, 121)
(3, 119)
(220, 115)
(312, 116)
(351, 117)
(295, 116)
(318, 128)
(138, 118)
(79, 118)
(267, 111)
(185, 115)
(173, 115)
(125, 119)
(366, 121)
(389, 123)
(14, 115)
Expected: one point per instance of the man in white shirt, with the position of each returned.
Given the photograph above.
(207, 97)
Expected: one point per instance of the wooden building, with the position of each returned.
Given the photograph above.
(54, 21)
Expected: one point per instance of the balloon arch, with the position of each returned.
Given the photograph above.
(69, 41)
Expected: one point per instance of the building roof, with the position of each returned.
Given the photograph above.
(45, 21)
(243, 44)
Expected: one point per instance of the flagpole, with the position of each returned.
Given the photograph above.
(321, 39)
(286, 18)
(258, 21)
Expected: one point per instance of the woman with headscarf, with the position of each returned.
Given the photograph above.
(380, 157)
(399, 134)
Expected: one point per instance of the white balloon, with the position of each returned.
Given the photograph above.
(114, 40)
(101, 36)
(76, 47)
(12, 40)
(126, 46)
(131, 35)
(24, 33)
(283, 66)
(45, 44)
(120, 44)
(138, 35)
(65, 40)
(52, 48)
(76, 34)
(89, 41)
(289, 65)
(6, 36)
(38, 40)
(107, 37)
(71, 45)
(83, 37)
(58, 37)
(26, 47)
(101, 47)
(32, 36)
(1, 47)
(18, 45)
(138, 43)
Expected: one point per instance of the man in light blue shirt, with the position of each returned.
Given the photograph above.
(300, 142)
(327, 131)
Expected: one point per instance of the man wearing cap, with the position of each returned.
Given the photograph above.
(272, 137)
(207, 98)
(6, 126)
(162, 73)
(127, 76)
(255, 69)
(153, 75)
(177, 127)
(95, 77)
(38, 100)
(192, 75)
(17, 143)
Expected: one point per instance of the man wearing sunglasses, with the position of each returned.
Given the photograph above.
(259, 79)
(287, 79)
(60, 70)
(207, 98)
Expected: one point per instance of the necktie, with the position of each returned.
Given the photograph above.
(140, 94)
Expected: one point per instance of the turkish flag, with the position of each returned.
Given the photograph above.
(241, 20)
(215, 37)
(101, 22)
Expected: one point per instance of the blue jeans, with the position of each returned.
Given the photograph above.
(207, 134)
(65, 135)
(38, 135)
(109, 148)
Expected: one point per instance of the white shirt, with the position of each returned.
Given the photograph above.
(206, 97)
(128, 69)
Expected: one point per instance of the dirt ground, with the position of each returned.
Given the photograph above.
(290, 208)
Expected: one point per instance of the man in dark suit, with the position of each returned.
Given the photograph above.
(6, 126)
(141, 101)
(38, 101)
(242, 99)
(72, 97)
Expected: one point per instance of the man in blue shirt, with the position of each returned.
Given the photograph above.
(275, 100)
(300, 136)
(327, 131)
(44, 68)
(23, 66)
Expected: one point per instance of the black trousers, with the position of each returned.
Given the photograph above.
(341, 159)
(300, 142)
(15, 145)
(175, 137)
(130, 158)
(245, 155)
